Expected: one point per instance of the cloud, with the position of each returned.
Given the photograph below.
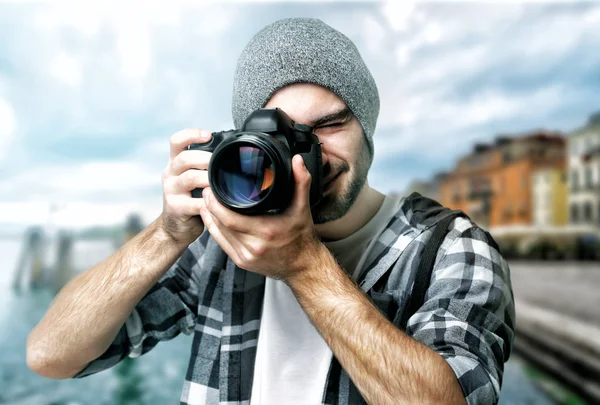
(8, 126)
(95, 90)
(76, 214)
(98, 192)
(399, 14)
(467, 72)
(116, 64)
(67, 69)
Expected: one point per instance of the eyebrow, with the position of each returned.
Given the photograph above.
(341, 114)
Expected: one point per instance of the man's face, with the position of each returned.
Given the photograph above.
(346, 158)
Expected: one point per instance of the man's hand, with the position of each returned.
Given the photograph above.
(277, 246)
(186, 170)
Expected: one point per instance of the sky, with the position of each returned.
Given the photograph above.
(90, 92)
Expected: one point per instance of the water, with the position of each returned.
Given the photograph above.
(155, 378)
(158, 375)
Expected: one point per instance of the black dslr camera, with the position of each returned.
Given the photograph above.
(250, 170)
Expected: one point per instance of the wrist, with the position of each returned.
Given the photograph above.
(165, 230)
(318, 261)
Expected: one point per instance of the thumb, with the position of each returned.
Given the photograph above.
(302, 180)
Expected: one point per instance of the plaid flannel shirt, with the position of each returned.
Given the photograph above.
(468, 315)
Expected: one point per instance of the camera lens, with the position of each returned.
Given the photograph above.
(245, 173)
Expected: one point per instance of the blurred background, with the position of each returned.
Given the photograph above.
(492, 108)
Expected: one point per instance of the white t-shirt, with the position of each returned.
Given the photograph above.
(292, 359)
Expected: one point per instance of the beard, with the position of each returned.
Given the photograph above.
(335, 205)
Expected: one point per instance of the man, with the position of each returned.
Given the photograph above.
(301, 307)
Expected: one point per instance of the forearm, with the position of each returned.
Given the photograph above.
(386, 365)
(87, 314)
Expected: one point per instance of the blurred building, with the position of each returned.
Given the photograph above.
(429, 188)
(584, 173)
(493, 185)
(549, 193)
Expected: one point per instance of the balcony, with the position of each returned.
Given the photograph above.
(593, 187)
(480, 194)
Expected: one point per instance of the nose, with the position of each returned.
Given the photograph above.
(325, 161)
(324, 156)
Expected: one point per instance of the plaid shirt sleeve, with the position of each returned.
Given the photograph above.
(168, 309)
(468, 316)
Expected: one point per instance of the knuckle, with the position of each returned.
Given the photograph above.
(308, 177)
(244, 257)
(190, 159)
(170, 201)
(269, 234)
(176, 139)
(250, 257)
(189, 179)
(259, 249)
(179, 162)
(186, 158)
(226, 221)
(180, 136)
(168, 185)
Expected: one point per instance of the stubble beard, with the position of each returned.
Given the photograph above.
(335, 206)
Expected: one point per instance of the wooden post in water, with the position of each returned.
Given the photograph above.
(133, 226)
(63, 271)
(129, 390)
(30, 268)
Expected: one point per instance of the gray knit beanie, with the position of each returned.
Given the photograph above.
(309, 51)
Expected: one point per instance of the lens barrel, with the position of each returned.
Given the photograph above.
(251, 173)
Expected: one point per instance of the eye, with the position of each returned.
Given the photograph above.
(334, 125)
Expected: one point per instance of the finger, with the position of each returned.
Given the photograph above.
(302, 179)
(180, 140)
(239, 241)
(184, 205)
(186, 182)
(189, 159)
(216, 231)
(192, 179)
(228, 218)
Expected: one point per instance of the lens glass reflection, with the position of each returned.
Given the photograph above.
(245, 174)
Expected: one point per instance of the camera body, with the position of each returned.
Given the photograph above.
(250, 170)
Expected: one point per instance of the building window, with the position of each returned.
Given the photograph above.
(523, 209)
(456, 193)
(588, 177)
(574, 180)
(475, 161)
(587, 212)
(574, 213)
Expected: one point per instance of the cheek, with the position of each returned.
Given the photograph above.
(341, 147)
